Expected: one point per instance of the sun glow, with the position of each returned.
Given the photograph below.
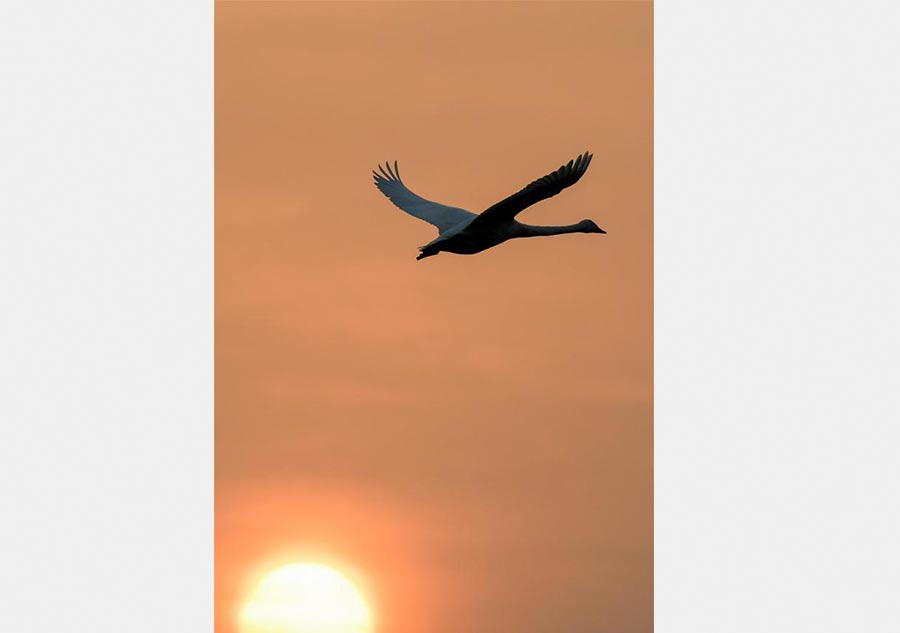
(306, 598)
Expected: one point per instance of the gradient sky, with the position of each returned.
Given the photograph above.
(470, 435)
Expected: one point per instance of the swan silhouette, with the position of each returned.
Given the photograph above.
(466, 233)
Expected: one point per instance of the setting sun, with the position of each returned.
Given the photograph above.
(305, 598)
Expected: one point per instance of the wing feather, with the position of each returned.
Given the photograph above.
(541, 189)
(442, 216)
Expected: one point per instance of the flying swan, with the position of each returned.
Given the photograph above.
(466, 233)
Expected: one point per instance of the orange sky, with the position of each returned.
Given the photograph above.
(471, 435)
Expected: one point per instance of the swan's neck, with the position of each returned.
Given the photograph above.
(529, 230)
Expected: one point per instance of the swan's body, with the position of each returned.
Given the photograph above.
(466, 233)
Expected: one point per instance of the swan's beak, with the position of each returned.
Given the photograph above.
(591, 227)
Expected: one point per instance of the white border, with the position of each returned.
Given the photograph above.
(106, 241)
(777, 312)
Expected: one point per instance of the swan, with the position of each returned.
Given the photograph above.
(466, 233)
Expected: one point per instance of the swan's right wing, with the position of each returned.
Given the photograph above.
(540, 189)
(442, 216)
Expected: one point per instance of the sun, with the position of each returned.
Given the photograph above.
(306, 598)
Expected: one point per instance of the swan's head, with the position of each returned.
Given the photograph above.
(589, 226)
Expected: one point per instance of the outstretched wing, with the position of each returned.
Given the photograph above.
(442, 216)
(540, 189)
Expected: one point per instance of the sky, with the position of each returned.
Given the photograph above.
(469, 437)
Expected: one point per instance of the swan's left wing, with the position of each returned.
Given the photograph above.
(442, 216)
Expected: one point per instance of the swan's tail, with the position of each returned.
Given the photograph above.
(427, 251)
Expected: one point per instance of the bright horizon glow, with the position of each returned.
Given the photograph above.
(305, 598)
